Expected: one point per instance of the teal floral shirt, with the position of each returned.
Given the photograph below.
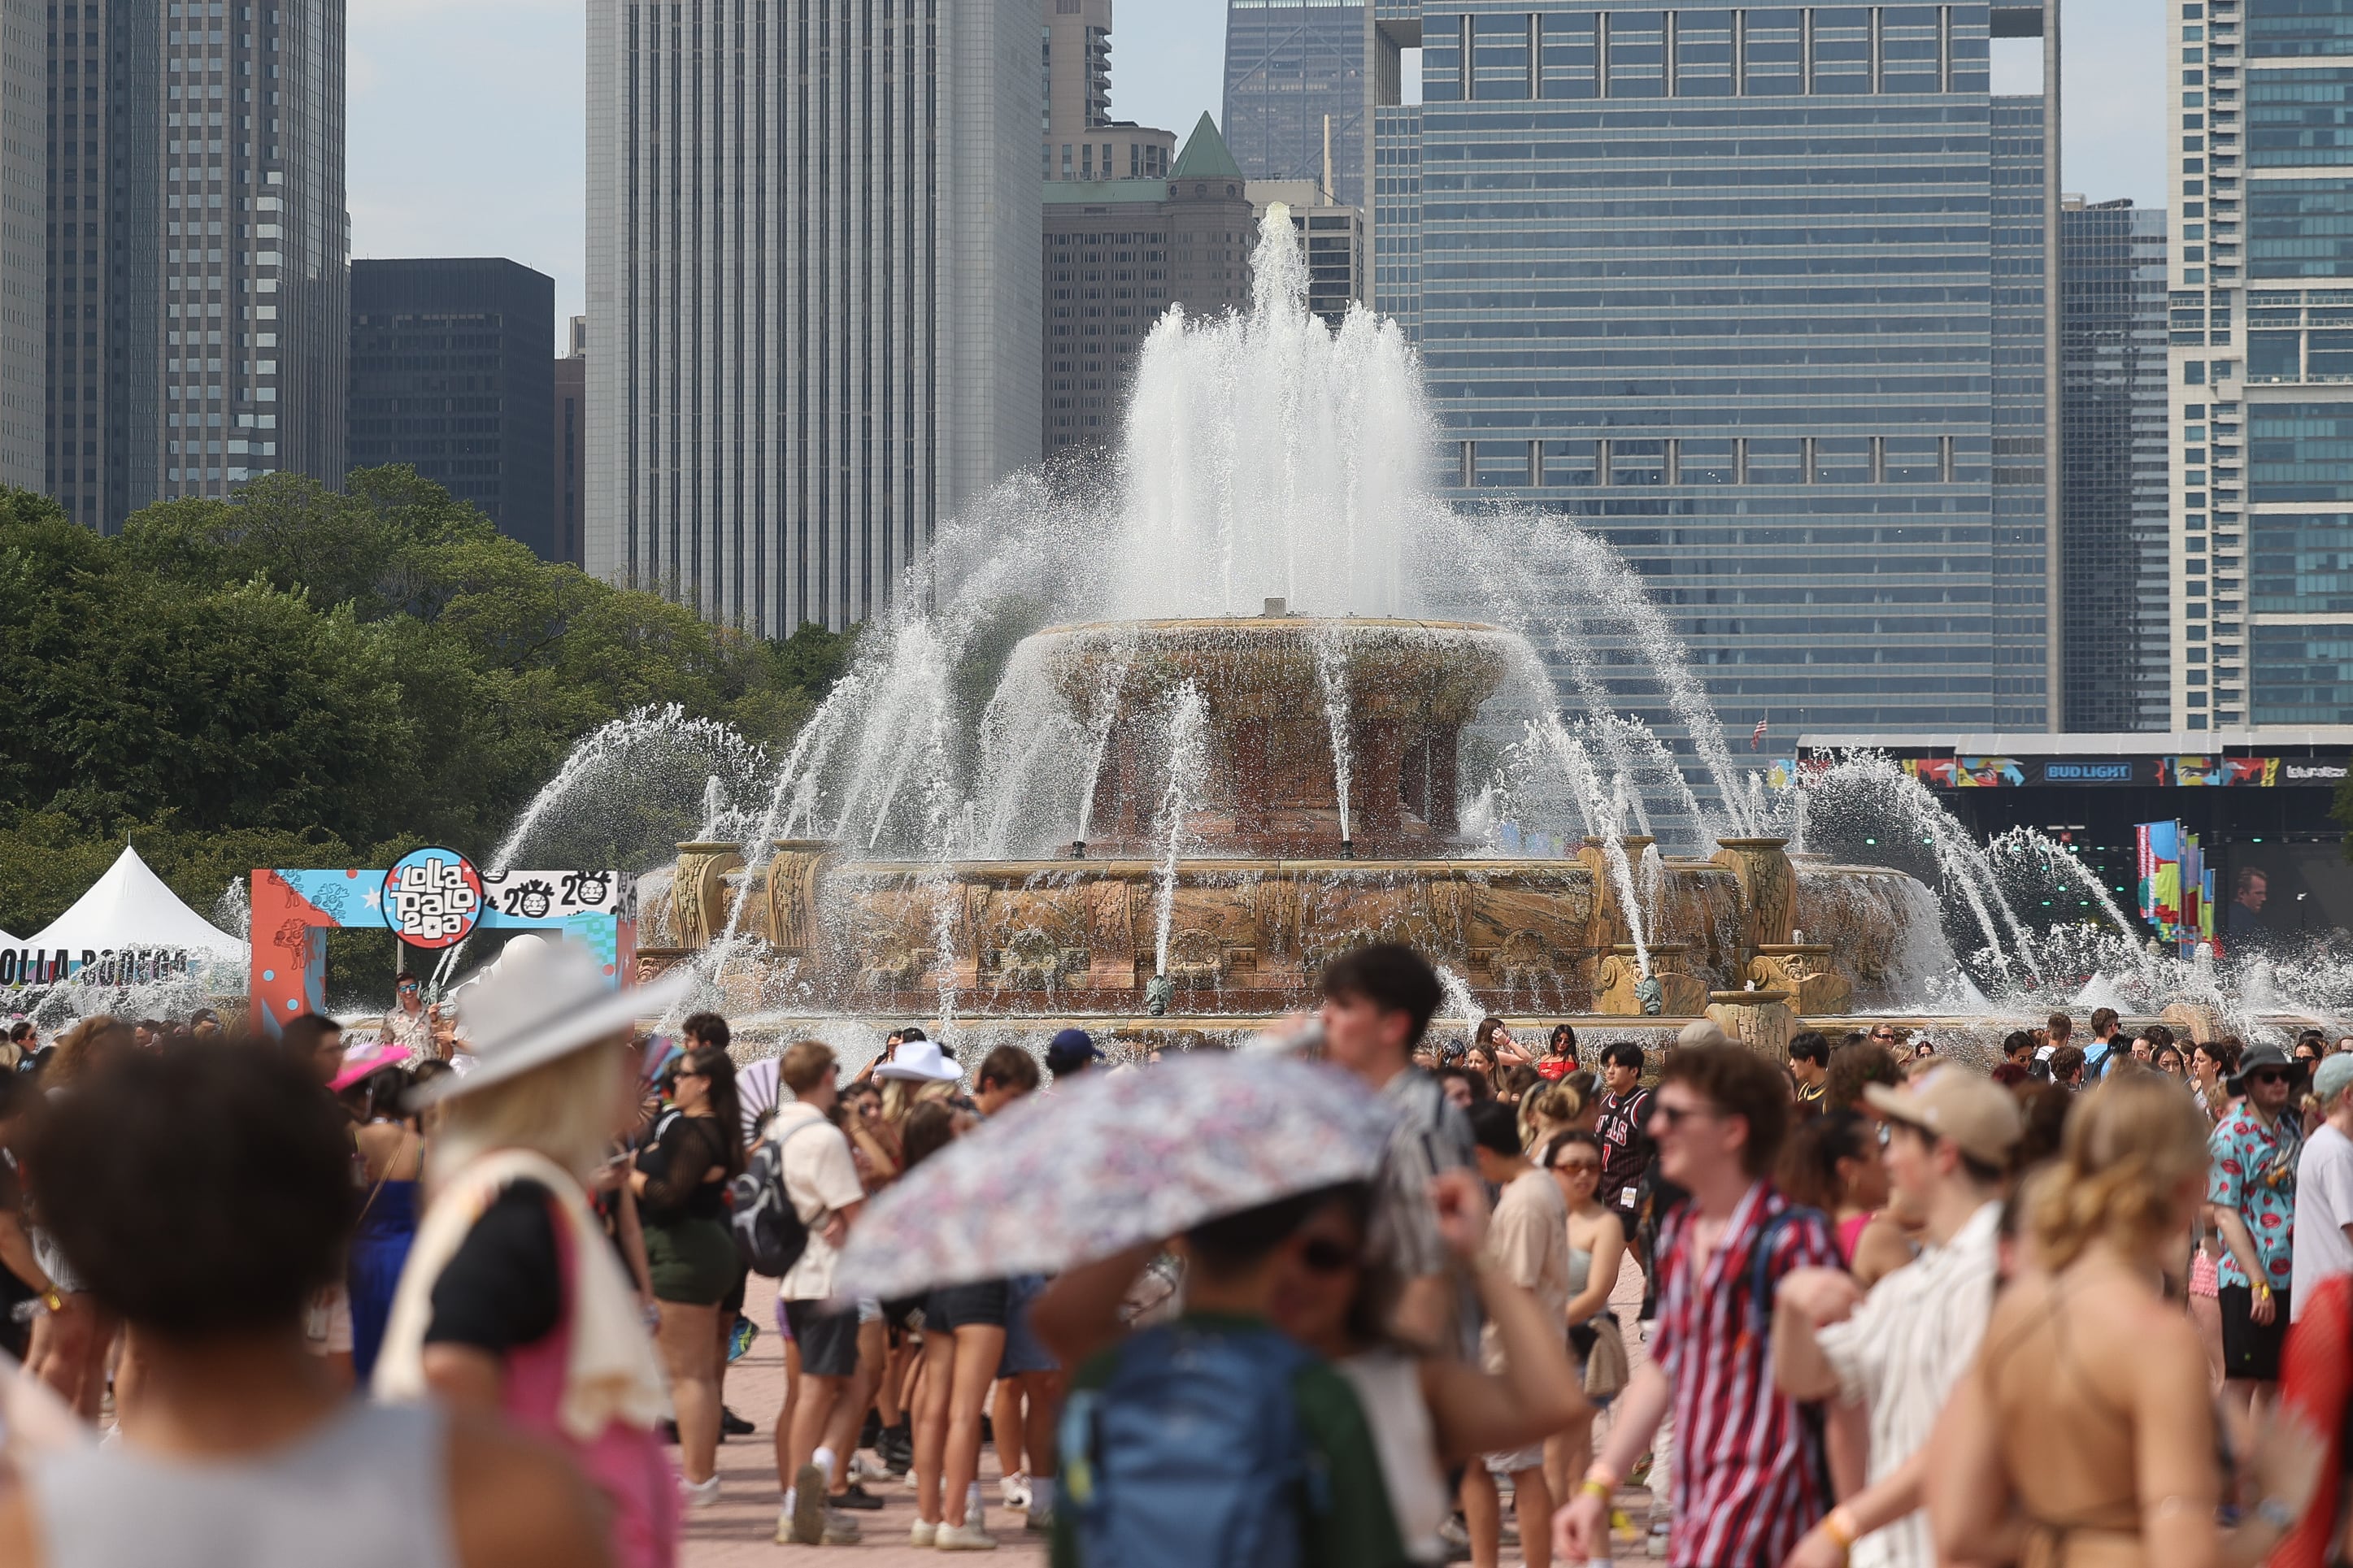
(2253, 1172)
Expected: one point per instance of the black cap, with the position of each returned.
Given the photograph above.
(1070, 1051)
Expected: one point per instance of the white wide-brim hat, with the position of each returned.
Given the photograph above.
(919, 1061)
(539, 1001)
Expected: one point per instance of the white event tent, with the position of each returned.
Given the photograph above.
(130, 907)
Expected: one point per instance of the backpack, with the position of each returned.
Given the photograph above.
(1812, 1421)
(1192, 1454)
(770, 1234)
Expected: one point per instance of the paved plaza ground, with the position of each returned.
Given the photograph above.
(739, 1531)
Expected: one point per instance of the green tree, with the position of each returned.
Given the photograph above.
(306, 675)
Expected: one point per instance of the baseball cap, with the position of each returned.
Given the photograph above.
(2333, 1077)
(1976, 1114)
(1070, 1051)
(1706, 1032)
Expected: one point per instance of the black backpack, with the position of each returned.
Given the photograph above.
(770, 1234)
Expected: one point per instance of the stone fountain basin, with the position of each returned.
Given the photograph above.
(1269, 783)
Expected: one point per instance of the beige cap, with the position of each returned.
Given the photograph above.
(1705, 1033)
(1976, 1114)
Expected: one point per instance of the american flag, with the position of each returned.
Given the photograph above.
(1756, 741)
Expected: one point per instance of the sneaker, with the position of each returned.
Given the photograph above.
(841, 1529)
(922, 1536)
(698, 1494)
(1039, 1522)
(1015, 1489)
(740, 1338)
(862, 1468)
(964, 1538)
(733, 1425)
(857, 1499)
(808, 1506)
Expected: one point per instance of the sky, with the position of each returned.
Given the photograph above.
(467, 120)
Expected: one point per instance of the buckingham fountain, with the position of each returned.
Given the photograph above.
(1299, 707)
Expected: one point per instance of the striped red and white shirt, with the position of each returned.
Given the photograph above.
(1750, 1478)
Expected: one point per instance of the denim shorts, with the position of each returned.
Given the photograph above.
(1023, 1350)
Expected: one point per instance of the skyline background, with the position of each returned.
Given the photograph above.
(481, 149)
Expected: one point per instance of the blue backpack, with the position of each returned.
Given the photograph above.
(1192, 1455)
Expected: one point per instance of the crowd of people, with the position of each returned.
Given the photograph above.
(466, 1287)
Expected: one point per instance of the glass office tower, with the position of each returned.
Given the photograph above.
(2261, 325)
(1295, 68)
(1758, 295)
(2113, 518)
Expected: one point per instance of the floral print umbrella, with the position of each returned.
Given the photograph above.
(1108, 1160)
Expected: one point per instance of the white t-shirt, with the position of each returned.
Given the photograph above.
(821, 1179)
(2324, 1206)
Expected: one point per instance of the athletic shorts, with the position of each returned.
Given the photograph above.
(954, 1307)
(1023, 1350)
(693, 1262)
(827, 1340)
(2251, 1351)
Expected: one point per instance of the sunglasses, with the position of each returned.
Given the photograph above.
(1591, 1167)
(1324, 1256)
(2267, 1078)
(1882, 1035)
(1676, 1115)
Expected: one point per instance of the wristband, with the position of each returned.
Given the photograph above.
(54, 1300)
(2263, 1292)
(1602, 1473)
(1600, 1489)
(1841, 1527)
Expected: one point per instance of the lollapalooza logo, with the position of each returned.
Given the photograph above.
(433, 898)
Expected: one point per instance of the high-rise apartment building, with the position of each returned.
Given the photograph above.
(1298, 91)
(1084, 142)
(2117, 631)
(453, 373)
(198, 312)
(2261, 325)
(24, 264)
(1118, 254)
(571, 441)
(1759, 296)
(813, 275)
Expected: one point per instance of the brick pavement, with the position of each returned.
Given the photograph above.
(739, 1530)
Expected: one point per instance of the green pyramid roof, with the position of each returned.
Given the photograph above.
(1205, 156)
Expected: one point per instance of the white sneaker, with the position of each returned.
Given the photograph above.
(922, 1536)
(1015, 1489)
(698, 1494)
(964, 1538)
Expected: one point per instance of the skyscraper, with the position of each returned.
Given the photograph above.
(1297, 89)
(571, 440)
(453, 373)
(1084, 142)
(813, 278)
(1758, 295)
(2261, 329)
(2113, 514)
(198, 294)
(1118, 254)
(23, 274)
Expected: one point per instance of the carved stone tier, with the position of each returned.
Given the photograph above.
(1805, 971)
(1768, 890)
(1760, 1020)
(1617, 988)
(1270, 783)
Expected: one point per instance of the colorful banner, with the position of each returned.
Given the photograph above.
(438, 889)
(2159, 849)
(2214, 772)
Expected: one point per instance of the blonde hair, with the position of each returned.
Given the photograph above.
(569, 1109)
(1547, 1111)
(2130, 1147)
(74, 1049)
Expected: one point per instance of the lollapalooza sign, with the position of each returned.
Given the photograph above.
(431, 899)
(31, 966)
